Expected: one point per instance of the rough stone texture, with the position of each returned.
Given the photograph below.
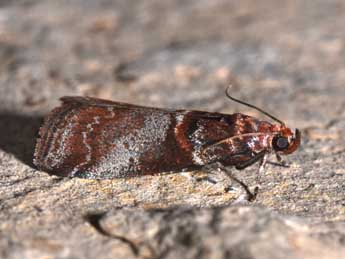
(285, 56)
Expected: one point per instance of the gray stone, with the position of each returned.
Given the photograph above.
(284, 56)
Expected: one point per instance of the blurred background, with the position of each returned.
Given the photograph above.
(284, 56)
(287, 57)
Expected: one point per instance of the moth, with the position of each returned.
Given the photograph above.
(101, 139)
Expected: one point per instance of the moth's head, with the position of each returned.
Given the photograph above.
(285, 141)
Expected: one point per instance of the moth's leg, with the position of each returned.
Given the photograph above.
(223, 174)
(263, 163)
(252, 160)
(262, 157)
(249, 196)
(281, 161)
(215, 175)
(261, 169)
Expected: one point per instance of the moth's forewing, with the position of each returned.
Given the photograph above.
(99, 139)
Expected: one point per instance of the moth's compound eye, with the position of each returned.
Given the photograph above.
(280, 143)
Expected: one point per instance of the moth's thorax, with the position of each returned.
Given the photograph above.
(249, 137)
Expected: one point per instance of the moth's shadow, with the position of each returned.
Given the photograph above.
(18, 135)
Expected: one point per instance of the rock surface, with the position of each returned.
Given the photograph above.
(284, 56)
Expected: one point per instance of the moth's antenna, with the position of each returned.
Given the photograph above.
(252, 106)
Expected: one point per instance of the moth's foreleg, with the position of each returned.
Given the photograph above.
(281, 161)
